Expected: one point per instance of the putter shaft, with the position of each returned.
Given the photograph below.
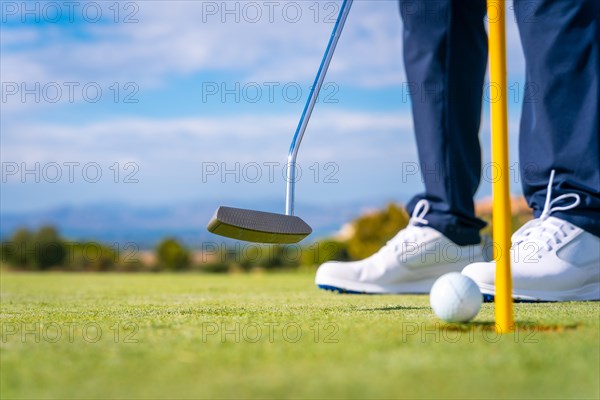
(310, 105)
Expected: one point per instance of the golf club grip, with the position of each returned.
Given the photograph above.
(310, 104)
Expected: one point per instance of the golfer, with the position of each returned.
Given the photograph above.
(556, 256)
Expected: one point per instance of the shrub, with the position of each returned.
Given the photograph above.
(172, 255)
(35, 251)
(372, 231)
(323, 251)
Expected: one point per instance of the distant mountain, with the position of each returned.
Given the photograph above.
(122, 223)
(146, 226)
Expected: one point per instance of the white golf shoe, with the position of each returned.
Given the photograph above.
(409, 263)
(551, 259)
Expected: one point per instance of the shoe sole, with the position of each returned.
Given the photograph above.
(490, 298)
(341, 290)
(487, 298)
(590, 292)
(346, 287)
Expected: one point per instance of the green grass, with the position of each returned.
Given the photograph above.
(351, 346)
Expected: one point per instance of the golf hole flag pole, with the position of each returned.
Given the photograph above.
(501, 215)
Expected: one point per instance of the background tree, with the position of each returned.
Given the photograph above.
(18, 250)
(172, 255)
(325, 250)
(50, 248)
(36, 251)
(373, 230)
(92, 256)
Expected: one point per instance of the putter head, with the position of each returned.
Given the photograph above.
(258, 226)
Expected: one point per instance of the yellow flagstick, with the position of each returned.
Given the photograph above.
(501, 220)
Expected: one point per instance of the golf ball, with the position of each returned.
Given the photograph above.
(455, 298)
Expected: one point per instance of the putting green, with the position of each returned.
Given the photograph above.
(273, 336)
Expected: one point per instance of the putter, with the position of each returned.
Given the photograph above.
(266, 227)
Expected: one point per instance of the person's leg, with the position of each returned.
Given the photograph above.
(445, 50)
(556, 257)
(445, 55)
(559, 124)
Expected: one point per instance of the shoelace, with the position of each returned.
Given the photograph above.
(409, 234)
(543, 231)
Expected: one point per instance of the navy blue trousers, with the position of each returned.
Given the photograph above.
(445, 55)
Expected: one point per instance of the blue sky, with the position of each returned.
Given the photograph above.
(157, 102)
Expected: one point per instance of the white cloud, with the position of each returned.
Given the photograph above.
(175, 37)
(248, 138)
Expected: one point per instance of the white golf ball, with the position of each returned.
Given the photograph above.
(455, 298)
